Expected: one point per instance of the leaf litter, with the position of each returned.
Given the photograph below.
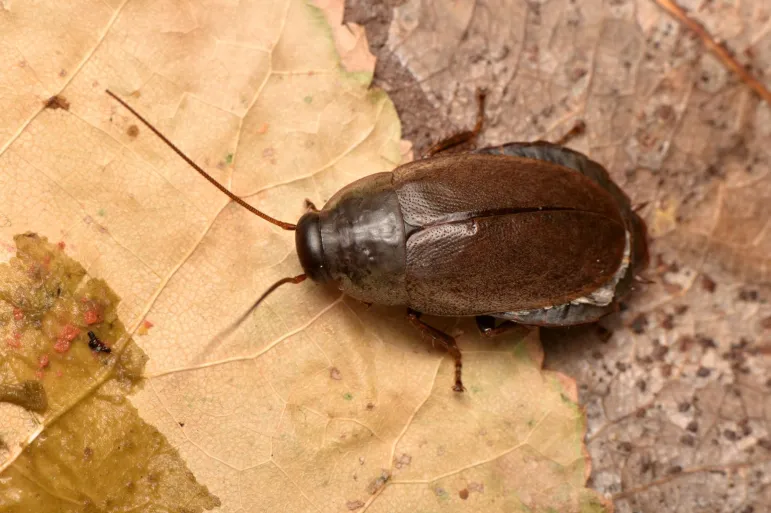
(675, 387)
(306, 406)
(96, 453)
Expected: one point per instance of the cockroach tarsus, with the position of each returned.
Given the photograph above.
(527, 233)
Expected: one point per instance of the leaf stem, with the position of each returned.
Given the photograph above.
(717, 48)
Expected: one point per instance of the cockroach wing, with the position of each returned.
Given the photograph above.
(579, 162)
(504, 263)
(458, 187)
(495, 233)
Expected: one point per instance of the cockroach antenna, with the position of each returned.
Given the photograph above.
(283, 281)
(247, 206)
(286, 226)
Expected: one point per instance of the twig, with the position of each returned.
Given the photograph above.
(717, 48)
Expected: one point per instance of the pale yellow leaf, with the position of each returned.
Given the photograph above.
(316, 403)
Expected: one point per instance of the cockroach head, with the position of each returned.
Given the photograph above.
(309, 249)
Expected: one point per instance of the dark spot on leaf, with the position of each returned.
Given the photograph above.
(703, 372)
(688, 440)
(57, 102)
(642, 385)
(625, 447)
(692, 426)
(403, 461)
(708, 283)
(639, 324)
(334, 373)
(765, 443)
(30, 395)
(685, 343)
(463, 494)
(354, 505)
(675, 469)
(748, 295)
(378, 483)
(132, 131)
(683, 407)
(665, 113)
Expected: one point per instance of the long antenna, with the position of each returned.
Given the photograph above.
(247, 206)
(283, 281)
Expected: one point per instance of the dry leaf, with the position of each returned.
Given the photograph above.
(677, 397)
(316, 403)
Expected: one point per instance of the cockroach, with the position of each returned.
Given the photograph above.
(527, 233)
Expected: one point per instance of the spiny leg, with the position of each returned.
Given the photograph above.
(309, 206)
(462, 137)
(486, 325)
(578, 129)
(445, 340)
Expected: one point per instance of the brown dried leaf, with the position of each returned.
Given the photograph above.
(315, 403)
(676, 400)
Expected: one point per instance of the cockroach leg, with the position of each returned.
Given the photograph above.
(487, 327)
(444, 339)
(640, 206)
(578, 129)
(309, 206)
(462, 137)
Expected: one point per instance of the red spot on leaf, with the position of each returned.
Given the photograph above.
(61, 245)
(47, 261)
(18, 314)
(62, 346)
(39, 374)
(69, 332)
(145, 327)
(91, 317)
(66, 336)
(15, 341)
(43, 361)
